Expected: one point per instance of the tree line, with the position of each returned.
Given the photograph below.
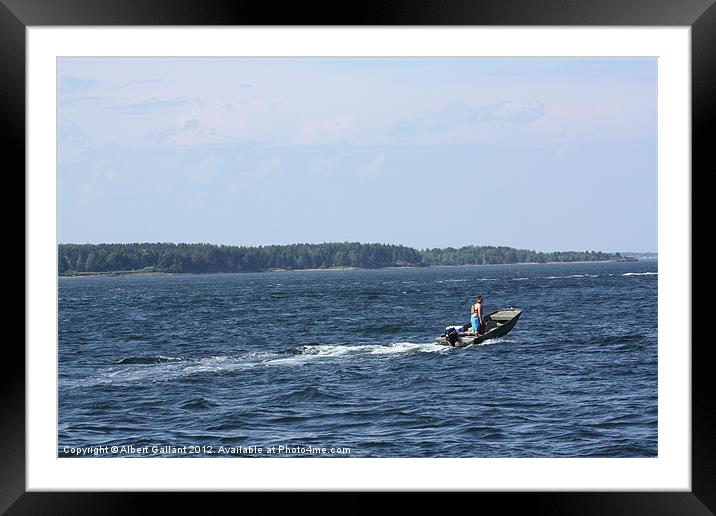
(489, 255)
(207, 258)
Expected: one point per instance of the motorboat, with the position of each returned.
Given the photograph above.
(496, 324)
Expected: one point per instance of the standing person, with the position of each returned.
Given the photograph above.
(476, 315)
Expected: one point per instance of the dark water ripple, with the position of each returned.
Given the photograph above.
(347, 359)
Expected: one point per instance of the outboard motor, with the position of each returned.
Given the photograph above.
(451, 336)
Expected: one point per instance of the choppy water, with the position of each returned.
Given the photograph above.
(346, 360)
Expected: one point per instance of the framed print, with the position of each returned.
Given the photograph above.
(255, 241)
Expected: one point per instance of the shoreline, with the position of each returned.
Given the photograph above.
(341, 268)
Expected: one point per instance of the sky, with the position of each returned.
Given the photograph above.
(542, 153)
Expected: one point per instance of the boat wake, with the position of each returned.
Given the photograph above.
(144, 360)
(491, 342)
(143, 370)
(153, 369)
(368, 349)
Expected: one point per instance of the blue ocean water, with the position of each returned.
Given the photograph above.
(343, 363)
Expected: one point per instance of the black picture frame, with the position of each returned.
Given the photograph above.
(699, 15)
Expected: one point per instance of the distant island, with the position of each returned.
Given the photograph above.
(640, 256)
(85, 259)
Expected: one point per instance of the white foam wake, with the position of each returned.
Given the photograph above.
(491, 342)
(129, 373)
(318, 352)
(639, 273)
(369, 349)
(136, 373)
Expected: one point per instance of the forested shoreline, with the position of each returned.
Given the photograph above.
(76, 259)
